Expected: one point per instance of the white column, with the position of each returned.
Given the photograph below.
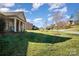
(22, 26)
(19, 26)
(14, 24)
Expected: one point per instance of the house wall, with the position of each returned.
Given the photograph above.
(29, 26)
(21, 26)
(5, 20)
(10, 24)
(7, 25)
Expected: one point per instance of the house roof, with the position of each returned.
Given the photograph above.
(29, 23)
(17, 14)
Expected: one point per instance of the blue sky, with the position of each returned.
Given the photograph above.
(39, 13)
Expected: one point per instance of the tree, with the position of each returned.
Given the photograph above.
(57, 16)
(45, 24)
(76, 18)
(50, 27)
(35, 28)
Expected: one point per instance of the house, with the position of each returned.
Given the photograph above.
(64, 24)
(71, 22)
(60, 25)
(29, 26)
(14, 21)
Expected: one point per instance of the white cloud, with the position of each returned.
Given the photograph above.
(21, 10)
(38, 22)
(62, 10)
(50, 18)
(55, 5)
(35, 6)
(29, 20)
(37, 19)
(24, 10)
(67, 16)
(49, 14)
(4, 9)
(16, 10)
(7, 4)
(50, 21)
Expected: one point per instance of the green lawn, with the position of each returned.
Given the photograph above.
(74, 28)
(13, 44)
(47, 43)
(39, 43)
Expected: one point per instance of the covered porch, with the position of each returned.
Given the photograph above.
(16, 25)
(19, 26)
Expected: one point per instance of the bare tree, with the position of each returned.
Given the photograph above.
(76, 18)
(57, 16)
(45, 24)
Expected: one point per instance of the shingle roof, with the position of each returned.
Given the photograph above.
(18, 14)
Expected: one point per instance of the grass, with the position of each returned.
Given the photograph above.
(40, 43)
(13, 44)
(74, 28)
(63, 44)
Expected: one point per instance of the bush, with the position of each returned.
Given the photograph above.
(35, 28)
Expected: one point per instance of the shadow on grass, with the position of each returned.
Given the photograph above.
(16, 44)
(13, 44)
(43, 38)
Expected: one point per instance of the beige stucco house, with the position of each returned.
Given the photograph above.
(15, 21)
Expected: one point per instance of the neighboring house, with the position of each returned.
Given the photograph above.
(29, 26)
(71, 22)
(64, 24)
(15, 21)
(60, 24)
